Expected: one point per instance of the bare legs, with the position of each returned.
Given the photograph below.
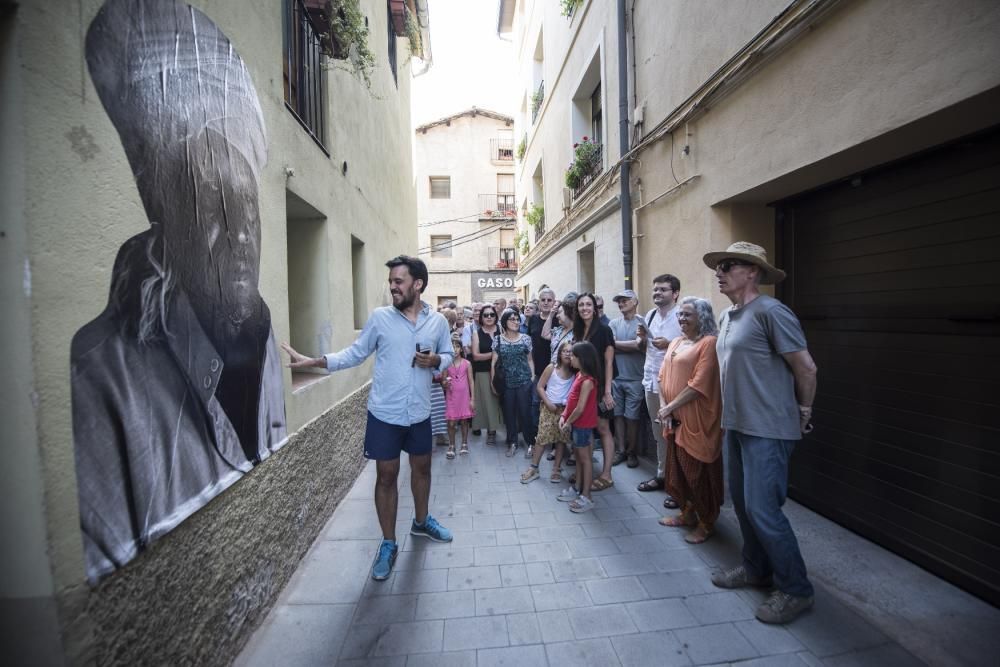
(420, 482)
(387, 493)
(607, 445)
(585, 467)
(387, 496)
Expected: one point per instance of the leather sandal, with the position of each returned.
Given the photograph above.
(600, 484)
(654, 484)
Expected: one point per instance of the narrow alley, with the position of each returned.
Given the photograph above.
(526, 582)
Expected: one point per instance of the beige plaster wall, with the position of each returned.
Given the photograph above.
(821, 109)
(560, 271)
(866, 70)
(77, 202)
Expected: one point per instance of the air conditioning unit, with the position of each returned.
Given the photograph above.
(567, 198)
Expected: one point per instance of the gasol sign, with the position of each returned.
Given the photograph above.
(495, 282)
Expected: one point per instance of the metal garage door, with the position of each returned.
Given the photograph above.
(896, 276)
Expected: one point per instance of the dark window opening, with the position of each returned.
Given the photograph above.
(392, 43)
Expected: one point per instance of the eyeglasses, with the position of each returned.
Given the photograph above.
(489, 315)
(727, 264)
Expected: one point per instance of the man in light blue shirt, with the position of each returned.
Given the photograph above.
(410, 340)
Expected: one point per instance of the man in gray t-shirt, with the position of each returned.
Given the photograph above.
(768, 385)
(626, 389)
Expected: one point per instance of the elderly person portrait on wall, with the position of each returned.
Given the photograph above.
(690, 414)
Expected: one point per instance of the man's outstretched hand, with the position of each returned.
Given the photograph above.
(297, 360)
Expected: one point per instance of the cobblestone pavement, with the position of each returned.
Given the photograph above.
(526, 582)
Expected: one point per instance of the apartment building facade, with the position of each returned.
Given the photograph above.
(856, 142)
(466, 206)
(184, 187)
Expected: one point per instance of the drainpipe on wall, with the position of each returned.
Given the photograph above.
(625, 204)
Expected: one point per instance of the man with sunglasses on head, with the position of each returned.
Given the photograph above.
(768, 385)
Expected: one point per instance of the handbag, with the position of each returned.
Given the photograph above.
(499, 377)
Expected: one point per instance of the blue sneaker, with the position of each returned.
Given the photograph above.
(384, 559)
(431, 529)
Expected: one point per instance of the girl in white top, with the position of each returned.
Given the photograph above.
(553, 389)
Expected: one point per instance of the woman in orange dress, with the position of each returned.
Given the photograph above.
(691, 415)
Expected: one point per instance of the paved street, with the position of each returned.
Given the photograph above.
(526, 582)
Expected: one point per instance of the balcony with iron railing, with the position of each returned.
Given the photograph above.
(502, 150)
(304, 76)
(502, 259)
(498, 206)
(594, 169)
(536, 101)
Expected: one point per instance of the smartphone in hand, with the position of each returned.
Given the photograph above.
(422, 349)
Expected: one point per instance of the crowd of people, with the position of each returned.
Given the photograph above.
(559, 375)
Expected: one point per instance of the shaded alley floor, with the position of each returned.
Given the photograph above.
(526, 582)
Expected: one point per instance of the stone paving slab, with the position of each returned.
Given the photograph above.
(526, 582)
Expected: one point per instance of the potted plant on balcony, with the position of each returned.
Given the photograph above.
(412, 31)
(348, 38)
(535, 216)
(536, 100)
(569, 6)
(522, 147)
(521, 241)
(585, 157)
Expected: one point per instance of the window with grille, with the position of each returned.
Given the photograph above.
(440, 187)
(441, 246)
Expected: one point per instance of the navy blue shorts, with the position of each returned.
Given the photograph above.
(582, 437)
(384, 441)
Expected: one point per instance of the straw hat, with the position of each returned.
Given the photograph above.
(748, 252)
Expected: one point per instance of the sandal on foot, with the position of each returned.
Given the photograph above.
(670, 503)
(699, 534)
(491, 438)
(556, 476)
(678, 521)
(529, 475)
(654, 484)
(464, 449)
(450, 454)
(600, 484)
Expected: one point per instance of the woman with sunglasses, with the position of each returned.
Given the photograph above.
(488, 413)
(512, 350)
(588, 327)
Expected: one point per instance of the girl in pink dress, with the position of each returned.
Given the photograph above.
(458, 406)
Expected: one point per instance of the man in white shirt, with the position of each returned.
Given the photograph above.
(656, 330)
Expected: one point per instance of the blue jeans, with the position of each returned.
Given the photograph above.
(758, 483)
(516, 407)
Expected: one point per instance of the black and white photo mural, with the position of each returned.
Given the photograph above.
(177, 384)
